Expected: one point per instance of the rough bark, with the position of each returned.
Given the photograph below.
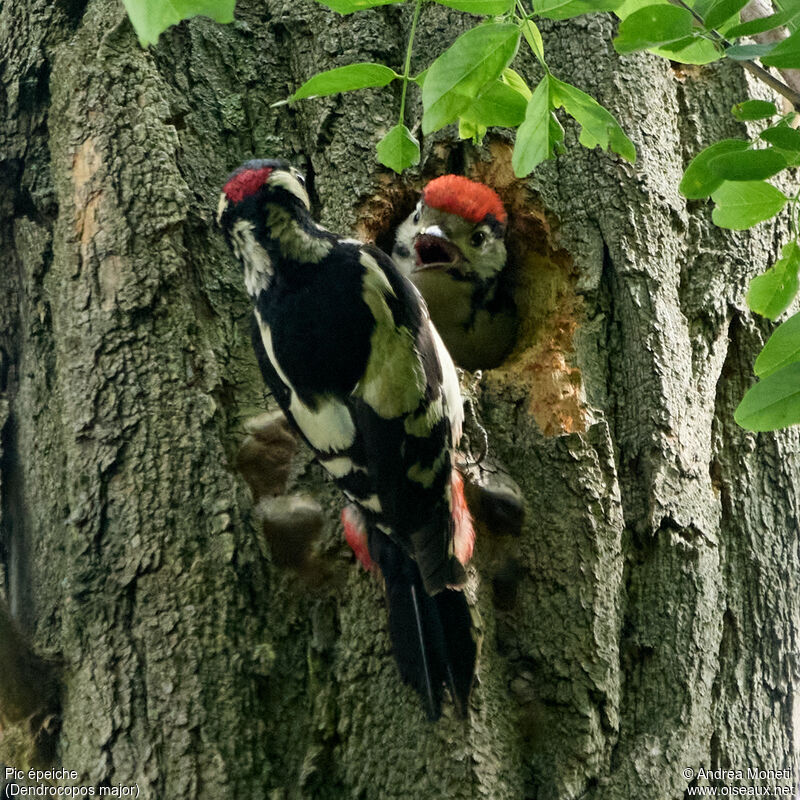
(651, 619)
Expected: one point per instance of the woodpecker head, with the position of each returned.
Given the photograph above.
(452, 249)
(255, 183)
(264, 213)
(458, 228)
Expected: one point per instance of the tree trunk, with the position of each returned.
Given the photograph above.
(645, 623)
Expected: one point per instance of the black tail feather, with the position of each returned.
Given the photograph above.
(431, 636)
(456, 620)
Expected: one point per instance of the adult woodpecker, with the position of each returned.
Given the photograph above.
(346, 346)
(452, 247)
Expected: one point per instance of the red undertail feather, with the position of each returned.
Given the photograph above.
(355, 532)
(245, 183)
(464, 532)
(456, 194)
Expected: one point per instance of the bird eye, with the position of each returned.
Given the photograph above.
(416, 216)
(300, 179)
(477, 238)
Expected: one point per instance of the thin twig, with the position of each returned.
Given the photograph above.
(755, 69)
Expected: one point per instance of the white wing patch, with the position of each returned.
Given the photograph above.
(394, 379)
(454, 405)
(339, 466)
(372, 503)
(427, 475)
(328, 427)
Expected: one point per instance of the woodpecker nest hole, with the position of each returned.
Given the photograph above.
(543, 279)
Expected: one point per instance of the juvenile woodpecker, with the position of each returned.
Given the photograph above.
(452, 247)
(346, 346)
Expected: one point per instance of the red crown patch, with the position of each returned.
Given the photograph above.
(245, 183)
(471, 200)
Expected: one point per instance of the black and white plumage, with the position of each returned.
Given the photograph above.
(346, 346)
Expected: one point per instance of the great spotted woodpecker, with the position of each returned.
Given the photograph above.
(452, 247)
(346, 346)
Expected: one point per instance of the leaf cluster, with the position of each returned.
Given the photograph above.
(472, 84)
(734, 173)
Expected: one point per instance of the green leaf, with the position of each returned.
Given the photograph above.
(747, 52)
(455, 79)
(398, 149)
(516, 82)
(762, 25)
(564, 9)
(478, 6)
(743, 204)
(698, 180)
(774, 402)
(771, 293)
(701, 7)
(721, 11)
(470, 130)
(690, 50)
(785, 54)
(782, 348)
(782, 136)
(150, 18)
(497, 104)
(345, 79)
(535, 137)
(747, 165)
(598, 126)
(349, 6)
(625, 8)
(786, 5)
(653, 26)
(533, 36)
(556, 132)
(754, 109)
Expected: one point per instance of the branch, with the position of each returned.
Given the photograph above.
(755, 69)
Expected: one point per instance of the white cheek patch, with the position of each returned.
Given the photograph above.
(286, 180)
(257, 264)
(328, 427)
(221, 206)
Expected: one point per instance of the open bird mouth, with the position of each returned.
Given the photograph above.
(434, 252)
